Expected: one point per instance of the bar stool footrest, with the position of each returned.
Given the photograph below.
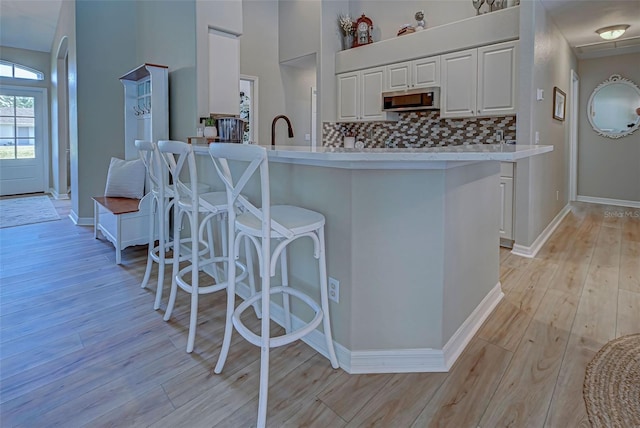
(284, 339)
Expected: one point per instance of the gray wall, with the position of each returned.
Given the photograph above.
(106, 49)
(542, 182)
(607, 168)
(259, 57)
(175, 49)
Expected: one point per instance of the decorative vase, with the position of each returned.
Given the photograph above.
(210, 131)
(347, 41)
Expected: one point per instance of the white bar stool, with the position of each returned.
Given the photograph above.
(161, 205)
(285, 224)
(188, 202)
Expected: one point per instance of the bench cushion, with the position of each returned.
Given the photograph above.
(125, 179)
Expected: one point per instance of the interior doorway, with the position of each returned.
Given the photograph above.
(61, 150)
(249, 107)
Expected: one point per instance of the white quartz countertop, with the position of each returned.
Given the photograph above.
(474, 152)
(396, 158)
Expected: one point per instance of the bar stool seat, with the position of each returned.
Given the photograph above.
(271, 229)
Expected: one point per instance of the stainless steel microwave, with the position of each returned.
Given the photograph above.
(412, 99)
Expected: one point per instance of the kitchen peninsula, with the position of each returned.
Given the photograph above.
(412, 236)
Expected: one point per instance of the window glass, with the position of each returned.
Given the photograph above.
(17, 127)
(8, 69)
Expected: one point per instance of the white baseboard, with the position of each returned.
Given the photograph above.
(532, 250)
(461, 338)
(80, 221)
(607, 201)
(57, 195)
(396, 360)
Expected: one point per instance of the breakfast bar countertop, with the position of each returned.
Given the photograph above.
(397, 158)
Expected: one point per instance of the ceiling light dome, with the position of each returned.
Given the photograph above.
(613, 32)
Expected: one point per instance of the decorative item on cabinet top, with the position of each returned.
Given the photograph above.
(346, 27)
(492, 5)
(362, 29)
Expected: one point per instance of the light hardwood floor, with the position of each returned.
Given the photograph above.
(80, 344)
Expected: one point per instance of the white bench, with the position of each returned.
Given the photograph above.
(123, 221)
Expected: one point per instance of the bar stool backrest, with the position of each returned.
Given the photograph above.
(175, 154)
(150, 156)
(256, 157)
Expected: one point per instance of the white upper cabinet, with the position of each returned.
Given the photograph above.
(459, 84)
(497, 79)
(419, 73)
(480, 82)
(425, 72)
(224, 73)
(371, 94)
(360, 96)
(398, 76)
(349, 96)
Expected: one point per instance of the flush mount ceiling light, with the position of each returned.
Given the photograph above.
(613, 32)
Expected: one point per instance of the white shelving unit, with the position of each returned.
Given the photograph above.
(146, 106)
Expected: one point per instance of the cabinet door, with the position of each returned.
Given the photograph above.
(459, 84)
(224, 75)
(398, 76)
(497, 79)
(371, 100)
(506, 207)
(348, 96)
(426, 72)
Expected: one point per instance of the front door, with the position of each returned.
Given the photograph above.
(22, 147)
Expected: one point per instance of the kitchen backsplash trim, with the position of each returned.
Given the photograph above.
(421, 129)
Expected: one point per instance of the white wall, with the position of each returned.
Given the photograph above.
(607, 168)
(298, 27)
(259, 57)
(542, 181)
(297, 83)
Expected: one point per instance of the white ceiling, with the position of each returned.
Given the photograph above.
(578, 20)
(31, 24)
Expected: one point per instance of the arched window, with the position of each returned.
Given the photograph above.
(9, 69)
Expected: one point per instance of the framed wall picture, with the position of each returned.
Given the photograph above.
(559, 103)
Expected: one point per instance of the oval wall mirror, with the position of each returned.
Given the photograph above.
(614, 107)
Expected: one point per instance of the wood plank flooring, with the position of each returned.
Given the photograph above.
(80, 344)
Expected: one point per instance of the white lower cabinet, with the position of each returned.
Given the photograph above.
(360, 96)
(506, 203)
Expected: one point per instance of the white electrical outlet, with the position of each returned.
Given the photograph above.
(537, 137)
(334, 290)
(307, 137)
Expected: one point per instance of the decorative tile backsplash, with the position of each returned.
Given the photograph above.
(421, 129)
